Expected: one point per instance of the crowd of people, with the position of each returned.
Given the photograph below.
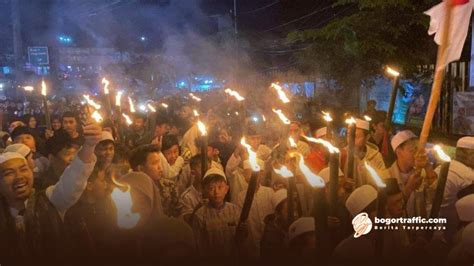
(57, 188)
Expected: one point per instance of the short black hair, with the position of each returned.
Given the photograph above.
(139, 155)
(70, 114)
(161, 120)
(21, 130)
(61, 140)
(169, 141)
(214, 178)
(195, 161)
(140, 116)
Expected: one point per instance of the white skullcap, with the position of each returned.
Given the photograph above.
(260, 163)
(465, 142)
(465, 208)
(467, 239)
(362, 124)
(326, 174)
(301, 226)
(106, 136)
(360, 198)
(19, 148)
(9, 156)
(401, 137)
(214, 171)
(278, 197)
(321, 132)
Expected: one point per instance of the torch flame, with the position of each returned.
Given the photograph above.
(97, 117)
(282, 117)
(281, 93)
(378, 181)
(164, 105)
(43, 88)
(367, 118)
(106, 86)
(196, 114)
(132, 106)
(327, 144)
(284, 172)
(123, 203)
(195, 97)
(127, 119)
(264, 118)
(91, 102)
(392, 72)
(202, 128)
(151, 108)
(118, 98)
(28, 88)
(235, 94)
(314, 180)
(252, 156)
(292, 142)
(441, 154)
(350, 121)
(327, 117)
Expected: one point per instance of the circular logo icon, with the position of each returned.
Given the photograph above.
(362, 224)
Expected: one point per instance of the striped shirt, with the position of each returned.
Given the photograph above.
(190, 199)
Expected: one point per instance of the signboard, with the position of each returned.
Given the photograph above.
(38, 56)
(463, 113)
(418, 99)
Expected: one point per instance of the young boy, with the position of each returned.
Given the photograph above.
(215, 223)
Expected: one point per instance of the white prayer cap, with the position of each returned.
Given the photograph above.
(401, 137)
(278, 197)
(362, 124)
(467, 239)
(19, 148)
(214, 171)
(465, 208)
(106, 136)
(321, 132)
(466, 142)
(260, 163)
(326, 173)
(9, 156)
(360, 198)
(301, 226)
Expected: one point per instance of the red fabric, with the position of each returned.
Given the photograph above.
(316, 161)
(384, 150)
(459, 2)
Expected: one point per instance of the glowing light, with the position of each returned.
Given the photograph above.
(106, 86)
(392, 72)
(264, 118)
(91, 102)
(292, 142)
(195, 97)
(196, 113)
(97, 117)
(284, 172)
(202, 128)
(327, 144)
(327, 117)
(29, 88)
(282, 117)
(123, 202)
(281, 93)
(127, 119)
(367, 118)
(441, 154)
(164, 105)
(314, 180)
(252, 156)
(118, 98)
(350, 121)
(235, 94)
(151, 108)
(378, 181)
(132, 106)
(43, 88)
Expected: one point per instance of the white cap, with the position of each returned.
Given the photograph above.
(362, 124)
(326, 173)
(278, 197)
(321, 132)
(9, 156)
(214, 171)
(465, 208)
(465, 142)
(360, 198)
(300, 226)
(467, 239)
(19, 148)
(401, 137)
(106, 136)
(260, 163)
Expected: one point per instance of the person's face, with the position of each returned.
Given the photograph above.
(171, 154)
(32, 122)
(56, 124)
(406, 152)
(379, 129)
(212, 152)
(64, 158)
(196, 172)
(185, 112)
(105, 152)
(162, 130)
(139, 123)
(254, 141)
(174, 131)
(70, 125)
(224, 136)
(98, 187)
(15, 125)
(216, 192)
(152, 166)
(371, 106)
(395, 205)
(16, 180)
(28, 140)
(360, 139)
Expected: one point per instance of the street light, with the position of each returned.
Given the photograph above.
(394, 74)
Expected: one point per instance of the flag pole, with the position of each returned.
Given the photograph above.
(438, 79)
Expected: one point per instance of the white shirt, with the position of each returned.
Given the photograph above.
(171, 171)
(190, 199)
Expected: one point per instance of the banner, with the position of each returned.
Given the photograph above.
(418, 98)
(463, 113)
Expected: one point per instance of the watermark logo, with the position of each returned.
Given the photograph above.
(362, 224)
